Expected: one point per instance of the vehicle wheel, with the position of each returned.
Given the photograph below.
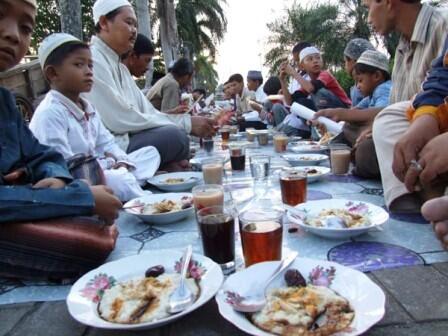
(24, 106)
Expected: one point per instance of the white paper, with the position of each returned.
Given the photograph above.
(307, 114)
(252, 116)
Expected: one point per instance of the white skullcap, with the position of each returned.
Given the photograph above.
(31, 2)
(51, 43)
(308, 51)
(374, 58)
(104, 7)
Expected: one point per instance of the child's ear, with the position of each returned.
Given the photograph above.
(50, 73)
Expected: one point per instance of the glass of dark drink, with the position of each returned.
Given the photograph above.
(217, 227)
(293, 187)
(237, 157)
(261, 235)
(225, 134)
(208, 144)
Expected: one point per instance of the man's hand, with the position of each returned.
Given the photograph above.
(434, 161)
(366, 134)
(336, 114)
(107, 204)
(408, 148)
(53, 183)
(179, 109)
(202, 127)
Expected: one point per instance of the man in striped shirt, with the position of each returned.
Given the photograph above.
(422, 31)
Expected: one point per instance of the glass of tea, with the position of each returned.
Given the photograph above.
(208, 144)
(340, 157)
(212, 170)
(280, 142)
(225, 134)
(237, 157)
(261, 235)
(217, 227)
(293, 187)
(207, 195)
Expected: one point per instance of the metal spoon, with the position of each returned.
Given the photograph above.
(182, 297)
(256, 300)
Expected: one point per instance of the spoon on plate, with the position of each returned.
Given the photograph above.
(182, 297)
(330, 221)
(256, 300)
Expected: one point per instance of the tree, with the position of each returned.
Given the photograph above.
(168, 31)
(71, 17)
(206, 75)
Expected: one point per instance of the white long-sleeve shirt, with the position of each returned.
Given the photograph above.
(123, 107)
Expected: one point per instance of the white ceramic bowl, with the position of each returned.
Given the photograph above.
(190, 180)
(305, 159)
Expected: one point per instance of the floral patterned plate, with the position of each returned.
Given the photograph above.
(365, 297)
(82, 301)
(376, 216)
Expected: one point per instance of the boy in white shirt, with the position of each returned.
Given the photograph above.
(71, 125)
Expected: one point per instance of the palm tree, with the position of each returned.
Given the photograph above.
(206, 76)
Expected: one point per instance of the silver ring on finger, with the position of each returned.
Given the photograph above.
(416, 166)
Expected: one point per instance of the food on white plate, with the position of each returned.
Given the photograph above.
(174, 180)
(142, 299)
(309, 171)
(295, 310)
(351, 219)
(325, 138)
(165, 206)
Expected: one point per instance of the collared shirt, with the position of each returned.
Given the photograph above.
(379, 97)
(260, 95)
(242, 103)
(58, 122)
(413, 58)
(165, 94)
(355, 95)
(20, 149)
(123, 107)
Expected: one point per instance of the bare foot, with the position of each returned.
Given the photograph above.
(436, 211)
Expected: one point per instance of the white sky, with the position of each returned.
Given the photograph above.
(243, 47)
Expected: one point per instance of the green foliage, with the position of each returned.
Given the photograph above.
(205, 74)
(344, 79)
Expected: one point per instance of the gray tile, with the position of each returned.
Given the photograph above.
(424, 329)
(395, 314)
(10, 315)
(52, 318)
(442, 267)
(421, 290)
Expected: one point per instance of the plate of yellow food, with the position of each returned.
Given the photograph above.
(311, 297)
(117, 296)
(161, 208)
(183, 181)
(338, 218)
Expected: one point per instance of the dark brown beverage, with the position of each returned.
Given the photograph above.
(218, 237)
(225, 134)
(293, 189)
(208, 145)
(238, 162)
(262, 241)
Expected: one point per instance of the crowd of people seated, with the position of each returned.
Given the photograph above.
(395, 120)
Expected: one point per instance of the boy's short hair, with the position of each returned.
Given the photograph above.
(182, 67)
(272, 86)
(236, 78)
(361, 68)
(58, 55)
(109, 16)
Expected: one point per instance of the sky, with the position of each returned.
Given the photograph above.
(244, 44)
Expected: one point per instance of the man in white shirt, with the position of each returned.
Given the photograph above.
(255, 83)
(124, 109)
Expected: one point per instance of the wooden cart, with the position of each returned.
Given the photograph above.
(26, 81)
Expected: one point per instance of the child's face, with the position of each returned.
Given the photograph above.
(17, 20)
(75, 74)
(312, 64)
(367, 82)
(252, 85)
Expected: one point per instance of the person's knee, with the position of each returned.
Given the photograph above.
(179, 138)
(366, 162)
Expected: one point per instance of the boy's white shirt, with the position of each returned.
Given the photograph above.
(123, 107)
(290, 119)
(260, 96)
(60, 123)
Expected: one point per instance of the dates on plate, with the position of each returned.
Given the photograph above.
(154, 271)
(293, 278)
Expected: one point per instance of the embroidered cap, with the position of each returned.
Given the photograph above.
(308, 51)
(104, 7)
(374, 58)
(51, 43)
(356, 47)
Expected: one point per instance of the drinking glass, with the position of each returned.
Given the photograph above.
(280, 142)
(260, 166)
(261, 235)
(208, 144)
(208, 195)
(293, 185)
(340, 157)
(212, 170)
(217, 227)
(237, 157)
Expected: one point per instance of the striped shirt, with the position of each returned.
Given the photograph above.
(413, 58)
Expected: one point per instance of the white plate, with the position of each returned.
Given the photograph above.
(377, 217)
(306, 147)
(365, 297)
(190, 180)
(84, 310)
(305, 159)
(322, 171)
(163, 218)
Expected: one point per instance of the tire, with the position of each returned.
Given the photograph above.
(24, 106)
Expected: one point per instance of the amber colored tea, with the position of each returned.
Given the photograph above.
(293, 189)
(262, 241)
